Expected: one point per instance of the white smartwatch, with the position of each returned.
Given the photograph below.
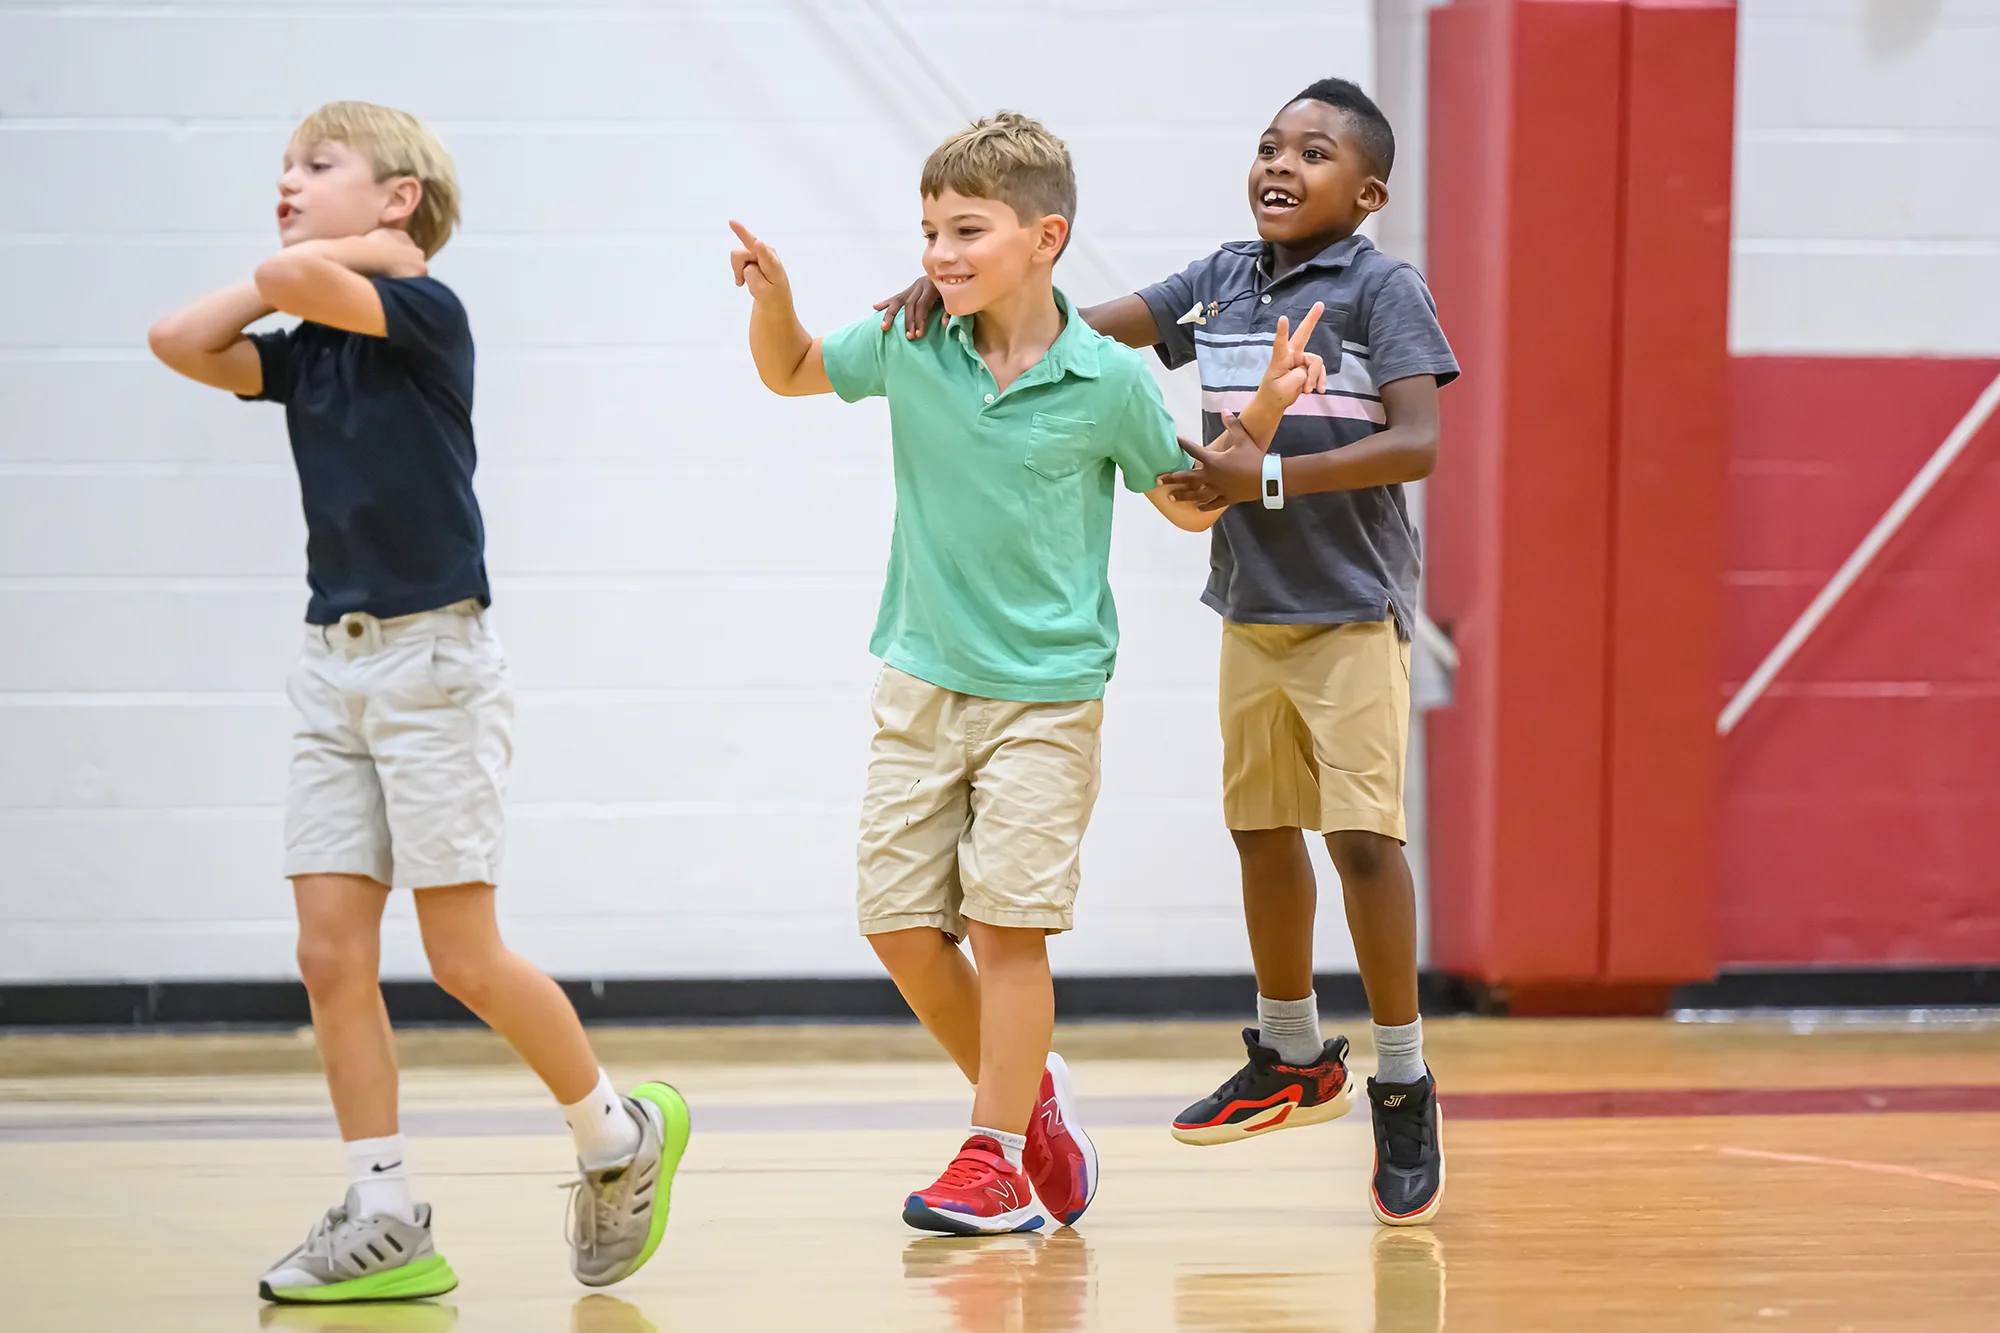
(1274, 482)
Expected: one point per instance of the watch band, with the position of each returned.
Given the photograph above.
(1274, 481)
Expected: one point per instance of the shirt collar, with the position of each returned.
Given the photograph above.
(1336, 256)
(1074, 352)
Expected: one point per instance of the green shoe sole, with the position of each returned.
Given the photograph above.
(411, 1282)
(674, 1111)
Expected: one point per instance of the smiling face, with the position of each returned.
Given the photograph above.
(978, 251)
(1312, 183)
(328, 190)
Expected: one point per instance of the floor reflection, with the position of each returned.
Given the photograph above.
(598, 1313)
(1406, 1263)
(401, 1317)
(1409, 1280)
(1000, 1284)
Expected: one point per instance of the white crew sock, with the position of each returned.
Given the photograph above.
(1291, 1028)
(1011, 1145)
(378, 1177)
(1399, 1053)
(606, 1134)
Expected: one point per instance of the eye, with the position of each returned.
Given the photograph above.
(1314, 154)
(1267, 150)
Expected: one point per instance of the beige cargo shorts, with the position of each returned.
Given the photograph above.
(1315, 727)
(975, 808)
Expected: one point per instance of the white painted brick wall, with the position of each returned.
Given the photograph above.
(693, 671)
(1868, 177)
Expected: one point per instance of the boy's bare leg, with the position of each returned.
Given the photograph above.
(508, 993)
(1280, 898)
(1382, 917)
(941, 988)
(340, 958)
(1017, 1021)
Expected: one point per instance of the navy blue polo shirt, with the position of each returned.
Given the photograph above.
(382, 434)
(1337, 557)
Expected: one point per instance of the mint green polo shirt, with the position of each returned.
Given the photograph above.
(997, 582)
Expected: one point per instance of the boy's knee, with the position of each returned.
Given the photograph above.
(1359, 854)
(328, 965)
(464, 974)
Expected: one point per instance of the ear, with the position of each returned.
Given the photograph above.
(1054, 237)
(1374, 195)
(405, 193)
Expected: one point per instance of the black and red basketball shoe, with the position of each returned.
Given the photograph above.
(1409, 1152)
(1267, 1094)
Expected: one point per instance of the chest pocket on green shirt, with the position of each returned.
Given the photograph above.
(1059, 446)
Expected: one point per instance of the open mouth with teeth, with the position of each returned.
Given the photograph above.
(1275, 198)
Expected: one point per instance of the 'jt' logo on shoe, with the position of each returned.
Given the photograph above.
(1396, 1100)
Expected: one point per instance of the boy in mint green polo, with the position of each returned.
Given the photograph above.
(997, 634)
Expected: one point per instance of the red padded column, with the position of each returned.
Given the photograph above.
(1579, 237)
(1523, 242)
(1662, 800)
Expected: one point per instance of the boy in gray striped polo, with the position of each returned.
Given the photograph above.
(1314, 571)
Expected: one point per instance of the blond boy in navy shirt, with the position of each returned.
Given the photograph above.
(405, 709)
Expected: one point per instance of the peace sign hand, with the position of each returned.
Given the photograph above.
(1294, 370)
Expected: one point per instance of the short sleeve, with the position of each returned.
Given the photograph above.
(274, 357)
(856, 358)
(423, 317)
(1403, 334)
(1170, 301)
(1146, 443)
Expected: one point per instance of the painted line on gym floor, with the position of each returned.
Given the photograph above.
(80, 1125)
(1878, 1168)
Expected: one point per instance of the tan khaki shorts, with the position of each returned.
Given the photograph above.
(975, 808)
(399, 765)
(1315, 723)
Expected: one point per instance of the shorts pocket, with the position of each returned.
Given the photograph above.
(468, 674)
(1058, 447)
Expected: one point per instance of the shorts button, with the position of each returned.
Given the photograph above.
(353, 629)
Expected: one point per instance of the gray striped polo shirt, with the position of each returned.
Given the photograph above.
(1339, 556)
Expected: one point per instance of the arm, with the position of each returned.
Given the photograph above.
(328, 283)
(1407, 451)
(1125, 319)
(789, 360)
(1231, 470)
(204, 341)
(1188, 515)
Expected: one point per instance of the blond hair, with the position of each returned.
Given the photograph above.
(1010, 158)
(396, 143)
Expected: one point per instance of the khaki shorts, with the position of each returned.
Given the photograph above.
(975, 809)
(1315, 723)
(399, 765)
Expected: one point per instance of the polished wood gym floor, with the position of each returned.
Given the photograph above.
(1621, 1175)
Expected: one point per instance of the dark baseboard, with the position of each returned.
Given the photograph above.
(282, 1004)
(1846, 988)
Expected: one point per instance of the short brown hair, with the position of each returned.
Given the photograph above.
(396, 144)
(1010, 158)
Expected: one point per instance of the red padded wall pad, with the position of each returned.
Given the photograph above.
(1523, 246)
(1669, 493)
(1579, 190)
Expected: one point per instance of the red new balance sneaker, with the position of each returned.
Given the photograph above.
(979, 1194)
(1060, 1158)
